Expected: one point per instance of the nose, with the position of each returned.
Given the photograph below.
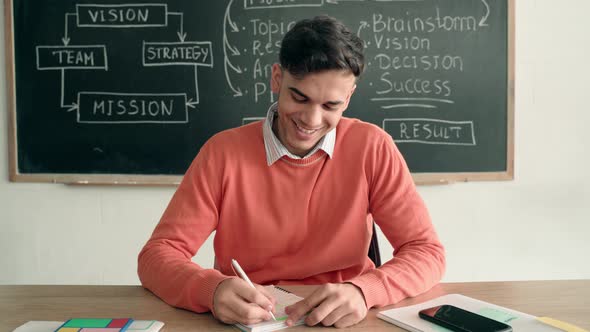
(312, 117)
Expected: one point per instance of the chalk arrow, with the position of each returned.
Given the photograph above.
(192, 104)
(66, 39)
(233, 50)
(238, 92)
(364, 24)
(234, 28)
(237, 69)
(232, 24)
(73, 107)
(63, 88)
(226, 46)
(181, 34)
(483, 22)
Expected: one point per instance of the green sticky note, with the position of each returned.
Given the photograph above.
(440, 328)
(495, 314)
(87, 322)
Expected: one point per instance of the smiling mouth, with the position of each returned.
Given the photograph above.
(306, 131)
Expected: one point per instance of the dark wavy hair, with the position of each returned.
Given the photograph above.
(321, 43)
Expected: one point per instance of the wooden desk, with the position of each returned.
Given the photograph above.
(564, 300)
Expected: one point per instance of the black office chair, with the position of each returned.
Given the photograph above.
(374, 253)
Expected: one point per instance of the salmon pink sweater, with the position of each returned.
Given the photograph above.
(298, 221)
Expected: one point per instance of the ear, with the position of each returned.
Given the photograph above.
(349, 96)
(276, 78)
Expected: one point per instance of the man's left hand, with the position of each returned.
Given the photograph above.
(341, 305)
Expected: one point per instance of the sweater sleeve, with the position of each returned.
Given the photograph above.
(165, 264)
(419, 258)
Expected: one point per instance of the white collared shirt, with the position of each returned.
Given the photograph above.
(275, 150)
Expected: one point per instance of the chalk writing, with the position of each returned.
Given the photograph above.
(122, 16)
(430, 131)
(113, 107)
(265, 4)
(195, 53)
(71, 57)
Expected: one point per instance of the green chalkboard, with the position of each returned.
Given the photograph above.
(127, 92)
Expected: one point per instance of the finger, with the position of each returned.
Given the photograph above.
(232, 309)
(253, 295)
(229, 310)
(347, 321)
(297, 310)
(329, 305)
(266, 292)
(249, 313)
(332, 317)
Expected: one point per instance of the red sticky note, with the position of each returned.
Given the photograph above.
(120, 322)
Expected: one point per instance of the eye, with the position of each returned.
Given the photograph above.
(298, 98)
(330, 107)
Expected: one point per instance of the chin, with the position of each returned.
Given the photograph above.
(300, 149)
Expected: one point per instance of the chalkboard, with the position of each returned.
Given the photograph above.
(128, 92)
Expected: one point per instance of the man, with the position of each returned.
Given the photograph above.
(293, 199)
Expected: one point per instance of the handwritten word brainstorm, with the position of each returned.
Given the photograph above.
(121, 107)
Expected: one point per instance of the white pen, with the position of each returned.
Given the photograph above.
(245, 277)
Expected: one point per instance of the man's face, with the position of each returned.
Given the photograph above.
(309, 107)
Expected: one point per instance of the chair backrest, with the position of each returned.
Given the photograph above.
(374, 253)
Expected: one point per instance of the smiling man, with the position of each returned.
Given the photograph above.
(293, 199)
(309, 107)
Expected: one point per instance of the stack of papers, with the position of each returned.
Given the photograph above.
(51, 326)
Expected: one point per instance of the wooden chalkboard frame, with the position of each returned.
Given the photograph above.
(508, 174)
(125, 179)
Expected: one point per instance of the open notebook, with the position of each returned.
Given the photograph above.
(284, 298)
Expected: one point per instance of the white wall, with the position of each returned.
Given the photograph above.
(535, 227)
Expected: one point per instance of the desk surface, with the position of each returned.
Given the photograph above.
(564, 300)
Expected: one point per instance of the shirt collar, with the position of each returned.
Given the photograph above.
(275, 150)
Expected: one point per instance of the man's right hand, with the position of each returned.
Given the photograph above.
(235, 301)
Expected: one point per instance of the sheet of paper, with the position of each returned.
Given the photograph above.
(50, 326)
(409, 319)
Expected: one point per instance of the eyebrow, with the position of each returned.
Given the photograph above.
(331, 102)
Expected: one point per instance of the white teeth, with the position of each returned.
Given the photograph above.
(307, 131)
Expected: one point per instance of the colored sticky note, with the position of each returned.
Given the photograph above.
(498, 315)
(95, 325)
(68, 329)
(121, 322)
(561, 325)
(439, 328)
(87, 322)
